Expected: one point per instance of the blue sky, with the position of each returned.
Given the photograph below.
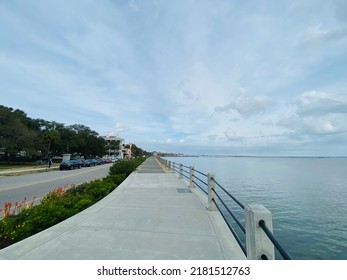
(198, 77)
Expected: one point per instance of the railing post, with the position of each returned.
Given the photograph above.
(191, 177)
(258, 245)
(167, 164)
(181, 171)
(211, 193)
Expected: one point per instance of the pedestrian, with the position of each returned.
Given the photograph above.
(49, 162)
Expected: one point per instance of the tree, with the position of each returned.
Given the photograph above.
(84, 141)
(15, 135)
(51, 137)
(138, 152)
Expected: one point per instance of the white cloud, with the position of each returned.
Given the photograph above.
(320, 103)
(318, 113)
(245, 104)
(117, 129)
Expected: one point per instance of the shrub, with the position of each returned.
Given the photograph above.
(125, 166)
(99, 189)
(115, 179)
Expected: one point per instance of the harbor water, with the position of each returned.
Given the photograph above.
(307, 198)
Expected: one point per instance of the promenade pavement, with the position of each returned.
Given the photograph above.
(152, 215)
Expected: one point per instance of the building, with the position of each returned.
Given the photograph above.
(115, 146)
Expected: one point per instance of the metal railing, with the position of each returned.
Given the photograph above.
(254, 233)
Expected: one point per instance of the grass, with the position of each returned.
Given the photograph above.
(15, 170)
(24, 165)
(29, 172)
(5, 166)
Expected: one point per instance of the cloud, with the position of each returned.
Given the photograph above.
(314, 125)
(318, 113)
(320, 103)
(245, 104)
(318, 33)
(232, 135)
(117, 129)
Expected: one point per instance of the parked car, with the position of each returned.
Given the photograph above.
(69, 165)
(99, 161)
(78, 162)
(88, 163)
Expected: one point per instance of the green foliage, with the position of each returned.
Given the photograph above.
(61, 204)
(16, 133)
(138, 152)
(99, 189)
(116, 179)
(125, 166)
(51, 137)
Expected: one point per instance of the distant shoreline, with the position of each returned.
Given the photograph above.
(253, 156)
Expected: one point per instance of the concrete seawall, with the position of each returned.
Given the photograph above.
(152, 215)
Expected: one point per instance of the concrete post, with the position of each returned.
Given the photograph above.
(211, 195)
(191, 178)
(181, 171)
(258, 245)
(66, 157)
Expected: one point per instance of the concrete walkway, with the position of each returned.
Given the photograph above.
(152, 215)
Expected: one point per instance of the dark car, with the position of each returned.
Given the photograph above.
(78, 162)
(88, 163)
(69, 165)
(99, 161)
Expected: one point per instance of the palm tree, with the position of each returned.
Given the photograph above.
(51, 137)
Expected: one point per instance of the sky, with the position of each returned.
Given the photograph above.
(226, 77)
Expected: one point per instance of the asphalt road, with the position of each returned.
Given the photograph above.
(16, 188)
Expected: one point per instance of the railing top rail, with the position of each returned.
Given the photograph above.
(197, 171)
(278, 246)
(229, 194)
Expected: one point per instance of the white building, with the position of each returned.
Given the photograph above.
(114, 147)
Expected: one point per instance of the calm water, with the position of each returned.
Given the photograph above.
(307, 198)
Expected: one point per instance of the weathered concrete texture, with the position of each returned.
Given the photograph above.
(146, 217)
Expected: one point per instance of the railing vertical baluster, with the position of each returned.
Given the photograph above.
(191, 177)
(181, 171)
(211, 192)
